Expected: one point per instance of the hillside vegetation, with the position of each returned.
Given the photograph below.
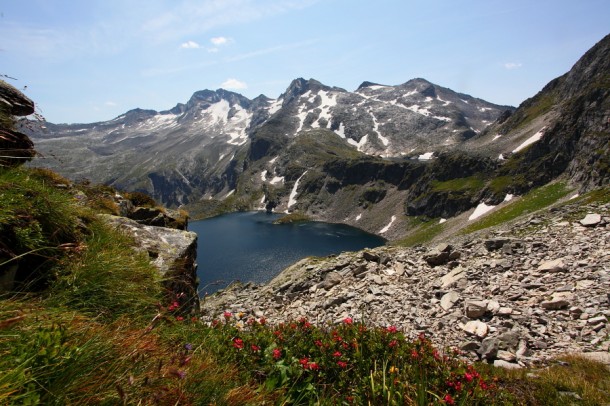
(88, 323)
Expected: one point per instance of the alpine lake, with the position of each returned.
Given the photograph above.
(249, 247)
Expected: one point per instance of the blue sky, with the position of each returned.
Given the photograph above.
(92, 60)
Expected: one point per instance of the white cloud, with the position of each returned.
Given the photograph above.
(110, 104)
(220, 41)
(189, 45)
(512, 65)
(233, 84)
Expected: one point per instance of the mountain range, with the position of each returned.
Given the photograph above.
(374, 158)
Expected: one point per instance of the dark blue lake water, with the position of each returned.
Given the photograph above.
(249, 247)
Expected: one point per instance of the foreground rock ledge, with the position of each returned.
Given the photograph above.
(495, 303)
(172, 251)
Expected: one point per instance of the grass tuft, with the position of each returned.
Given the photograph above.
(535, 200)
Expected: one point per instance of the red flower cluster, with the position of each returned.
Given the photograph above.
(309, 365)
(238, 343)
(277, 353)
(174, 306)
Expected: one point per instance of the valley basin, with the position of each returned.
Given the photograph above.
(248, 247)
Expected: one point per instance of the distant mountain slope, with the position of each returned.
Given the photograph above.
(188, 152)
(375, 158)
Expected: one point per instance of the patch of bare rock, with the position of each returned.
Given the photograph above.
(510, 299)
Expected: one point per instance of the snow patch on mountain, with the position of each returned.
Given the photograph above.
(275, 106)
(237, 125)
(292, 199)
(481, 209)
(534, 138)
(387, 227)
(359, 144)
(379, 87)
(328, 101)
(445, 102)
(383, 139)
(341, 131)
(426, 156)
(276, 180)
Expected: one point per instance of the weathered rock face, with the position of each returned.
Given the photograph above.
(172, 251)
(16, 147)
(15, 102)
(507, 299)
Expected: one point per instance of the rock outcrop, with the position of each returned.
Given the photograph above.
(509, 298)
(172, 251)
(16, 148)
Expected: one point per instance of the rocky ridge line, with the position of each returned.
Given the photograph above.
(508, 299)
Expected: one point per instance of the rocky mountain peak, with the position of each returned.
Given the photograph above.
(138, 114)
(299, 87)
(368, 84)
(207, 97)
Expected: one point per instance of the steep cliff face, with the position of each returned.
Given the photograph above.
(569, 123)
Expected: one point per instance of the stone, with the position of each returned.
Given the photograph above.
(495, 243)
(507, 365)
(370, 256)
(489, 348)
(591, 220)
(331, 280)
(160, 217)
(470, 346)
(493, 306)
(597, 320)
(506, 356)
(475, 327)
(555, 304)
(473, 309)
(449, 299)
(435, 257)
(555, 265)
(171, 251)
(452, 277)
